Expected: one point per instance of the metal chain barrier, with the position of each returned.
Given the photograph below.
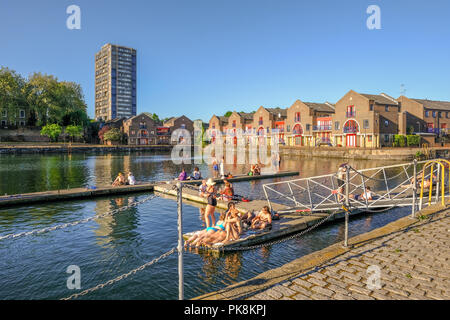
(297, 235)
(71, 224)
(121, 277)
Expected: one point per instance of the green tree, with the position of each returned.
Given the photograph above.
(155, 117)
(228, 113)
(113, 135)
(13, 90)
(52, 131)
(74, 131)
(56, 102)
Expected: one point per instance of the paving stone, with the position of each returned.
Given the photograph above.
(318, 296)
(338, 289)
(360, 290)
(300, 296)
(339, 296)
(284, 290)
(300, 289)
(352, 276)
(318, 282)
(324, 291)
(359, 296)
(303, 283)
(273, 293)
(318, 275)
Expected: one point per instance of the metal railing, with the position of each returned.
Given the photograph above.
(389, 186)
(322, 128)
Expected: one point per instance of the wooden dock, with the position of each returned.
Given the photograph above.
(88, 193)
(288, 224)
(71, 194)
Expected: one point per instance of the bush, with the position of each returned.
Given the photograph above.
(399, 141)
(74, 131)
(113, 135)
(410, 130)
(52, 131)
(413, 140)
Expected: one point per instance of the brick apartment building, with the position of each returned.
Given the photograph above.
(365, 120)
(141, 130)
(309, 123)
(424, 116)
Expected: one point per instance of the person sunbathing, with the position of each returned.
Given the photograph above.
(207, 235)
(120, 180)
(262, 220)
(366, 195)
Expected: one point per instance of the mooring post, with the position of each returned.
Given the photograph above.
(347, 203)
(180, 242)
(413, 211)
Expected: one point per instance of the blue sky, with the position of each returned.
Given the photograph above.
(200, 58)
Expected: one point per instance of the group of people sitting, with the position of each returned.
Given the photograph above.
(122, 181)
(208, 187)
(255, 170)
(196, 175)
(230, 226)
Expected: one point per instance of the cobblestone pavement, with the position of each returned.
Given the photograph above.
(413, 264)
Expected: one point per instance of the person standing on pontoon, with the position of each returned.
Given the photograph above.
(212, 203)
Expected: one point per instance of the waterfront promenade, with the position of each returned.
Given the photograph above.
(412, 255)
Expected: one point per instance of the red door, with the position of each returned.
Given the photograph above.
(351, 140)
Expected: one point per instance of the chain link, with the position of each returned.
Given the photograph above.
(297, 235)
(71, 224)
(121, 277)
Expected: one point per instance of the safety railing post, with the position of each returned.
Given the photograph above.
(347, 203)
(180, 241)
(438, 180)
(413, 210)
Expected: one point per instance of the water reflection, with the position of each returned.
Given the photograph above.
(121, 225)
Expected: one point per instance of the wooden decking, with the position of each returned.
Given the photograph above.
(88, 193)
(288, 224)
(70, 194)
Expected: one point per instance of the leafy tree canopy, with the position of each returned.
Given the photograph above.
(47, 100)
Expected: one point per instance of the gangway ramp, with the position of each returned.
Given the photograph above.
(391, 186)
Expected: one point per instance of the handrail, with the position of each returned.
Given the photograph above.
(440, 165)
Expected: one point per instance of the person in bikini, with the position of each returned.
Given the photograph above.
(210, 235)
(120, 180)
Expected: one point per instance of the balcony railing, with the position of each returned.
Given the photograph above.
(434, 130)
(324, 140)
(350, 114)
(322, 128)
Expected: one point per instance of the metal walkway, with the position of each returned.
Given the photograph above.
(408, 184)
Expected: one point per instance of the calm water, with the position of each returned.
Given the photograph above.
(34, 267)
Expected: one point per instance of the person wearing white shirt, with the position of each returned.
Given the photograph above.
(131, 179)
